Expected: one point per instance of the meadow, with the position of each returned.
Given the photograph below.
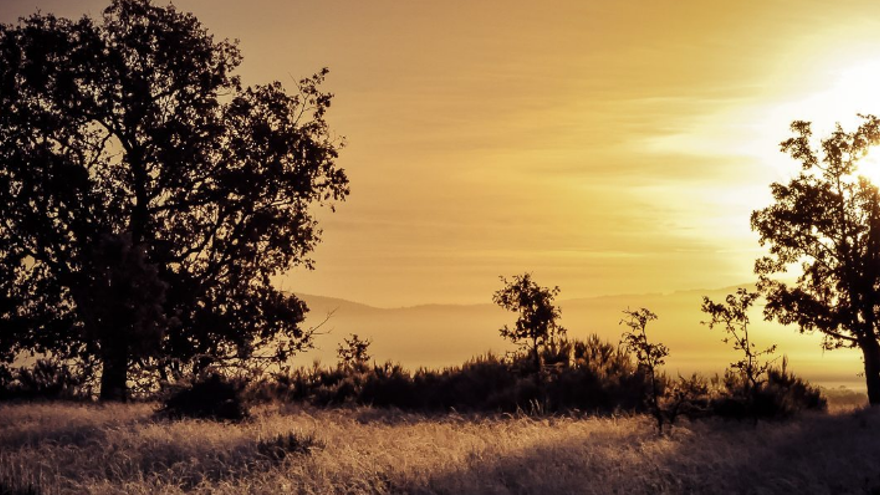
(58, 447)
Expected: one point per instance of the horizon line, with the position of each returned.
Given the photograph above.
(489, 303)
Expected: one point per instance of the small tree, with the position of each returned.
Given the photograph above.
(537, 326)
(733, 316)
(354, 353)
(649, 357)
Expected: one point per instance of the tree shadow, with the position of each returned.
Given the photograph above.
(76, 435)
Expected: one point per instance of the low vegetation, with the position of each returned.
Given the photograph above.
(85, 448)
(589, 376)
(559, 416)
(211, 397)
(46, 379)
(577, 376)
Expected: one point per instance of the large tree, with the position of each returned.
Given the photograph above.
(147, 197)
(825, 224)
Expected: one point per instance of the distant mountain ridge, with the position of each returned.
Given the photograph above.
(435, 335)
(329, 300)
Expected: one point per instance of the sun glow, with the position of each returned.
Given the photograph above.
(869, 166)
(854, 91)
(835, 94)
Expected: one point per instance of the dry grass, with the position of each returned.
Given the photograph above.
(66, 448)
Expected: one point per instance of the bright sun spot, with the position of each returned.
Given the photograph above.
(856, 92)
(869, 166)
(851, 90)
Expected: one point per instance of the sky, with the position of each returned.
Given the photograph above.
(606, 147)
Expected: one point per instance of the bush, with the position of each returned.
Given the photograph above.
(844, 397)
(780, 396)
(579, 375)
(388, 385)
(586, 375)
(7, 379)
(47, 379)
(689, 397)
(598, 377)
(214, 397)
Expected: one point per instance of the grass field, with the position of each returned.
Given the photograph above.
(70, 448)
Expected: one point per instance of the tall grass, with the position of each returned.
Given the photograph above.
(76, 448)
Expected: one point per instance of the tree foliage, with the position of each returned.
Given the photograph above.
(355, 353)
(536, 326)
(147, 197)
(649, 356)
(825, 223)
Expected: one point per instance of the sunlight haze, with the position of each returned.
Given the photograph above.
(607, 147)
(424, 246)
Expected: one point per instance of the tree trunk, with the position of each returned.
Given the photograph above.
(871, 352)
(537, 355)
(115, 375)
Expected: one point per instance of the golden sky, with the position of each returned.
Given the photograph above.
(608, 147)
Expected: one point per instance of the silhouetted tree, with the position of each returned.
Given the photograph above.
(734, 317)
(827, 220)
(537, 326)
(147, 198)
(650, 357)
(354, 354)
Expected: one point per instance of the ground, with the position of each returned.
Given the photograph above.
(86, 448)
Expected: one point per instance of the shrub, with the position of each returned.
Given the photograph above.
(213, 397)
(844, 397)
(6, 382)
(388, 385)
(599, 377)
(781, 395)
(585, 375)
(580, 375)
(791, 394)
(689, 397)
(48, 379)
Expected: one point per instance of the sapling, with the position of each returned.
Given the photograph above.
(733, 317)
(649, 357)
(354, 354)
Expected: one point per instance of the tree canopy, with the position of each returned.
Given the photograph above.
(537, 324)
(147, 197)
(825, 224)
